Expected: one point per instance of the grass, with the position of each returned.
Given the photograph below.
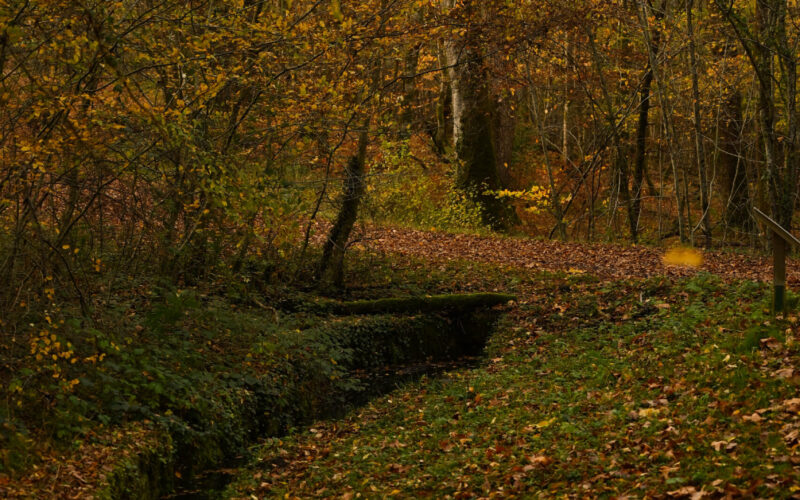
(637, 387)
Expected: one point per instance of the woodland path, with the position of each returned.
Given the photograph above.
(609, 261)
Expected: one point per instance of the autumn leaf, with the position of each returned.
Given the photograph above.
(545, 423)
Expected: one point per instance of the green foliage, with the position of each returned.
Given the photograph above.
(401, 192)
(209, 371)
(14, 442)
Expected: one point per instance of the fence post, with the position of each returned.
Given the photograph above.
(779, 273)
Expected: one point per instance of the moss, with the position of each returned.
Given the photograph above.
(432, 303)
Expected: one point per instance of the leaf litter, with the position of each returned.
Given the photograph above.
(615, 376)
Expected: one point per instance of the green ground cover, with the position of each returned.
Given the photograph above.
(634, 387)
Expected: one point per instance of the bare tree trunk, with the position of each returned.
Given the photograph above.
(735, 189)
(503, 132)
(439, 131)
(640, 162)
(666, 116)
(454, 63)
(705, 217)
(409, 93)
(331, 266)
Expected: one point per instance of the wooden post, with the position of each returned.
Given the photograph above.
(781, 240)
(779, 273)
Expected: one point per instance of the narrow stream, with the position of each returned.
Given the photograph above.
(210, 484)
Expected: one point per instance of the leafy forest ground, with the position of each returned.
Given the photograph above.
(613, 374)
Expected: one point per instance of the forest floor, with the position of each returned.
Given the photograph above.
(615, 376)
(603, 260)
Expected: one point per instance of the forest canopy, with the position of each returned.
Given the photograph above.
(182, 136)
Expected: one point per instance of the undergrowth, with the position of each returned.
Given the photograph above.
(192, 361)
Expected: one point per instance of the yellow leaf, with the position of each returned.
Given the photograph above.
(545, 423)
(648, 412)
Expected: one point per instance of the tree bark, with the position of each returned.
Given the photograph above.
(705, 217)
(735, 189)
(331, 266)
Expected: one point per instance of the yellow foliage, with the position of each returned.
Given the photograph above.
(545, 423)
(536, 197)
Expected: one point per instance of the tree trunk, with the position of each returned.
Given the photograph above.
(705, 217)
(643, 11)
(477, 173)
(454, 64)
(474, 113)
(331, 266)
(503, 132)
(640, 162)
(408, 114)
(735, 190)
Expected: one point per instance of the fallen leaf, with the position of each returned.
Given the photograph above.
(540, 460)
(545, 423)
(649, 412)
(772, 344)
(792, 405)
(755, 418)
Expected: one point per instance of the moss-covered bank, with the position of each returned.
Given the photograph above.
(316, 372)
